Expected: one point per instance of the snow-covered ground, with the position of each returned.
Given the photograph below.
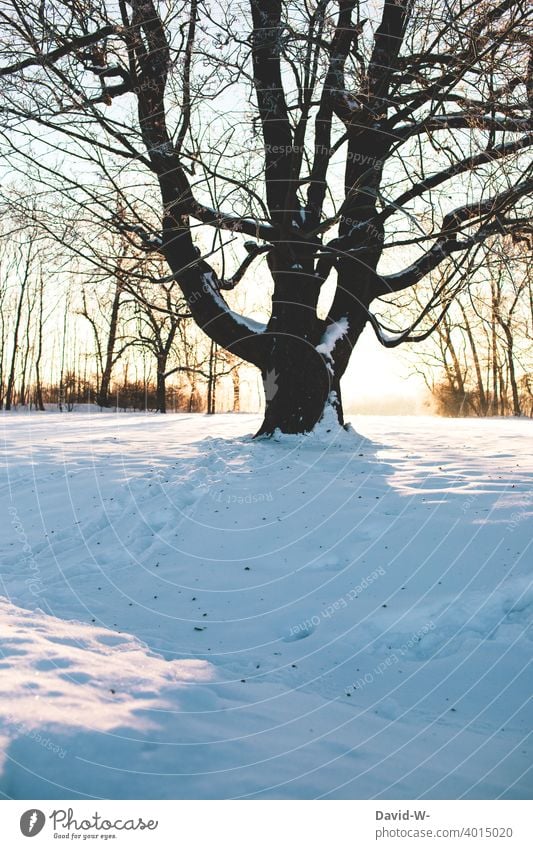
(186, 613)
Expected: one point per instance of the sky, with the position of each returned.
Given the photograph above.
(377, 379)
(381, 380)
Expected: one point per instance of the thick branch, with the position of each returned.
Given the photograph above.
(277, 133)
(186, 118)
(333, 86)
(490, 213)
(195, 276)
(387, 43)
(464, 121)
(41, 59)
(467, 164)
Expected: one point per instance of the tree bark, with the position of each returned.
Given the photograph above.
(212, 379)
(483, 404)
(512, 372)
(18, 317)
(161, 391)
(297, 385)
(39, 403)
(102, 399)
(494, 348)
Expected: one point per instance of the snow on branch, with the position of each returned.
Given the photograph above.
(234, 223)
(211, 286)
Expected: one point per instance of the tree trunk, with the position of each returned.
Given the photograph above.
(512, 372)
(10, 391)
(236, 390)
(38, 383)
(192, 397)
(297, 386)
(307, 356)
(161, 390)
(62, 399)
(28, 349)
(102, 399)
(494, 350)
(212, 379)
(483, 404)
(503, 393)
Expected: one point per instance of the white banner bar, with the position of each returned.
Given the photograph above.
(267, 824)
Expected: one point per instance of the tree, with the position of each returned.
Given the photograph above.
(382, 135)
(111, 262)
(158, 321)
(507, 300)
(106, 353)
(479, 359)
(221, 363)
(22, 268)
(39, 401)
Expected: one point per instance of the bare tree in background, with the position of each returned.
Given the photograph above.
(157, 319)
(19, 271)
(39, 400)
(112, 263)
(512, 318)
(385, 140)
(478, 362)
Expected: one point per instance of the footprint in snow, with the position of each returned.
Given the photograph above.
(299, 632)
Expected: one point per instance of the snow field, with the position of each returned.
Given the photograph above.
(188, 613)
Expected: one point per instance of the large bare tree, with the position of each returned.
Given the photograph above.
(381, 140)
